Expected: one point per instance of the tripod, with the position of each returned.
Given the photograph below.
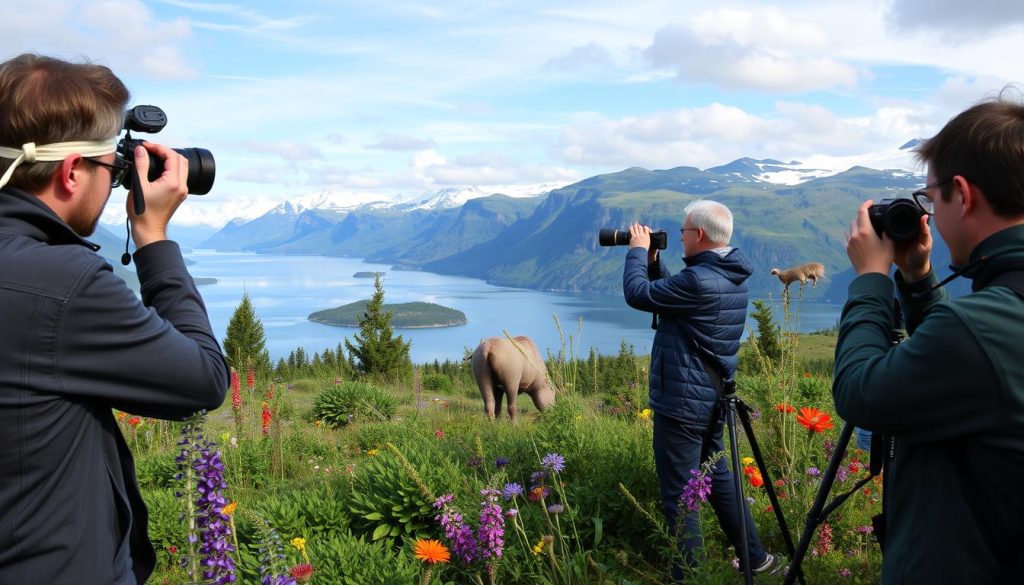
(881, 450)
(733, 407)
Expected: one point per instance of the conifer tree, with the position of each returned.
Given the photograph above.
(245, 342)
(768, 332)
(376, 351)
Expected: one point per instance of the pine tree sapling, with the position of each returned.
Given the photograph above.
(377, 351)
(246, 343)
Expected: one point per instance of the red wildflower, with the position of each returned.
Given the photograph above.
(780, 483)
(755, 479)
(786, 408)
(439, 433)
(814, 420)
(302, 572)
(266, 419)
(337, 380)
(172, 549)
(135, 421)
(250, 379)
(270, 392)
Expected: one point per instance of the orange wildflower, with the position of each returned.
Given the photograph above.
(807, 374)
(755, 479)
(786, 408)
(135, 421)
(814, 420)
(431, 551)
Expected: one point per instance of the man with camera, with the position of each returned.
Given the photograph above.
(77, 342)
(701, 313)
(952, 395)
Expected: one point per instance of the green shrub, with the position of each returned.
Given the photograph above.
(437, 384)
(156, 470)
(339, 405)
(166, 528)
(305, 385)
(387, 504)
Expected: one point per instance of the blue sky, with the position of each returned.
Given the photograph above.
(384, 100)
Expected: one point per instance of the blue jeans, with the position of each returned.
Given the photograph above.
(863, 438)
(676, 452)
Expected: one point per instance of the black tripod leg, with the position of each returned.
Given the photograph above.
(744, 415)
(814, 516)
(741, 503)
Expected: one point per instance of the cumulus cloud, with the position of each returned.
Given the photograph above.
(123, 33)
(400, 142)
(591, 55)
(953, 17)
(482, 169)
(715, 134)
(757, 50)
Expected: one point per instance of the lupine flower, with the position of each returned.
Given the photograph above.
(814, 420)
(271, 557)
(554, 462)
(459, 535)
(492, 525)
(202, 465)
(266, 419)
(431, 551)
(697, 490)
(511, 490)
(443, 501)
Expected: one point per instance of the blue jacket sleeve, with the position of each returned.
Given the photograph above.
(669, 295)
(157, 358)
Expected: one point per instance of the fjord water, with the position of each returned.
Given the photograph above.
(285, 289)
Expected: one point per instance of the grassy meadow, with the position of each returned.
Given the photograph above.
(325, 479)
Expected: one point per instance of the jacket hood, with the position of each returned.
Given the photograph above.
(22, 213)
(733, 266)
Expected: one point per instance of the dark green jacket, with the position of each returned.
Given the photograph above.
(953, 396)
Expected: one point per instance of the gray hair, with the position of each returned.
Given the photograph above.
(712, 217)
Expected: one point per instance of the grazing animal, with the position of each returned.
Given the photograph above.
(503, 367)
(811, 271)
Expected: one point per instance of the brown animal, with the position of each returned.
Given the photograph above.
(811, 271)
(503, 367)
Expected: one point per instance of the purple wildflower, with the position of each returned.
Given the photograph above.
(841, 474)
(844, 572)
(865, 529)
(697, 490)
(511, 490)
(201, 464)
(829, 447)
(537, 478)
(492, 526)
(512, 512)
(443, 501)
(501, 462)
(475, 461)
(554, 462)
(813, 471)
(556, 508)
(459, 535)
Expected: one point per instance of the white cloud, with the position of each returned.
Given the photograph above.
(757, 50)
(289, 150)
(954, 18)
(400, 142)
(427, 158)
(582, 57)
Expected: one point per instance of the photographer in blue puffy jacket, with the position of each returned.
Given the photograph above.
(703, 306)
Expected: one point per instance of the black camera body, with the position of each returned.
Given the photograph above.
(150, 119)
(614, 237)
(900, 219)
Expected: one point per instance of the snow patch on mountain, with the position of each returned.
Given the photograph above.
(901, 160)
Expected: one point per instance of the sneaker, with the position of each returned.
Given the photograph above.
(772, 565)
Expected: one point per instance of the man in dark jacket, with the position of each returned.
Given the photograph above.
(952, 394)
(701, 313)
(77, 342)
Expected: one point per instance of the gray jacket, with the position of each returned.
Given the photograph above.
(77, 343)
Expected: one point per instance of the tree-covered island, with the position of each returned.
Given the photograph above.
(404, 315)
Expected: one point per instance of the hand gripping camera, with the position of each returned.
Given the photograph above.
(614, 237)
(151, 119)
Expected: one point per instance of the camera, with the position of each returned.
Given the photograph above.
(899, 218)
(614, 237)
(151, 119)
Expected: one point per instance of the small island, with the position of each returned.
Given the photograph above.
(415, 315)
(367, 274)
(201, 280)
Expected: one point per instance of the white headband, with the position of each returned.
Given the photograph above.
(30, 153)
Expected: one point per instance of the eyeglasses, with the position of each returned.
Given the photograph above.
(922, 199)
(684, 230)
(118, 170)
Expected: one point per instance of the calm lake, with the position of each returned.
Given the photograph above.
(286, 289)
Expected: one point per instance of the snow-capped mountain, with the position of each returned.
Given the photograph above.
(817, 166)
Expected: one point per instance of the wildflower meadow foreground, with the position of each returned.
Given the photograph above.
(315, 474)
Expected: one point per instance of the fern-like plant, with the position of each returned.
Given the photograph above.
(339, 405)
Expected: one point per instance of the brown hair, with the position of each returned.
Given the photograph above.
(46, 100)
(985, 145)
